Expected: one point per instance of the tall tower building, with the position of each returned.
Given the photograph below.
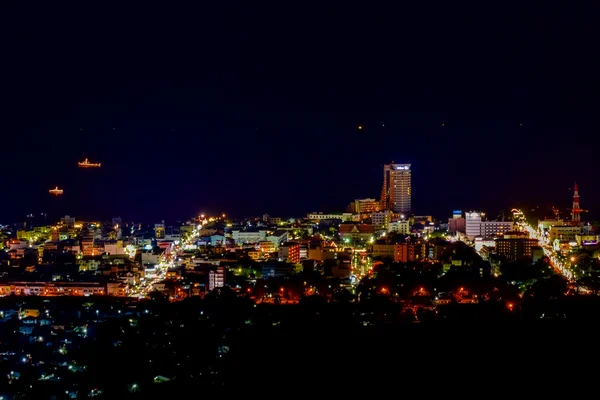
(576, 210)
(397, 188)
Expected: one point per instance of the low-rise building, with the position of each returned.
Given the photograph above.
(364, 206)
(401, 227)
(289, 252)
(245, 237)
(255, 255)
(456, 225)
(54, 288)
(118, 289)
(381, 220)
(383, 250)
(319, 216)
(356, 232)
(565, 232)
(277, 238)
(495, 228)
(484, 242)
(276, 270)
(405, 252)
(586, 240)
(216, 278)
(266, 246)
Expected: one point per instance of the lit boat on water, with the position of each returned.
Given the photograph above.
(86, 164)
(56, 191)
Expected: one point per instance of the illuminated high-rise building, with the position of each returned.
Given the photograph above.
(397, 188)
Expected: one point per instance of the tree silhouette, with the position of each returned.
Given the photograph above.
(554, 287)
(522, 272)
(343, 296)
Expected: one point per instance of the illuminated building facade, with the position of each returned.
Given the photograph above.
(381, 220)
(514, 249)
(277, 238)
(216, 278)
(289, 252)
(267, 246)
(383, 250)
(364, 206)
(586, 240)
(319, 216)
(401, 227)
(495, 228)
(159, 231)
(397, 188)
(52, 288)
(405, 252)
(473, 224)
(564, 232)
(456, 225)
(356, 232)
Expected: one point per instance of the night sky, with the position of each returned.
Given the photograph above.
(247, 109)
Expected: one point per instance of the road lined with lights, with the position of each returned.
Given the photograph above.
(557, 264)
(549, 252)
(166, 262)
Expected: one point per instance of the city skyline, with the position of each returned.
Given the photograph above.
(214, 125)
(57, 207)
(192, 198)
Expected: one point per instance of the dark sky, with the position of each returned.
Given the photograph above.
(248, 109)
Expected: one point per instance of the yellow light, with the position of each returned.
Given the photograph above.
(360, 127)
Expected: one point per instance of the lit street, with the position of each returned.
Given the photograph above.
(549, 252)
